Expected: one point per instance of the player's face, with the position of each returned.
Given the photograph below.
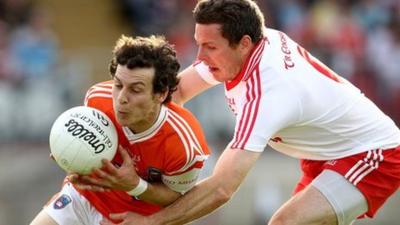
(224, 61)
(135, 104)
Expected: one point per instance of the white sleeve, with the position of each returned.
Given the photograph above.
(204, 72)
(183, 182)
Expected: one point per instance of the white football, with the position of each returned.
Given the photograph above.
(81, 137)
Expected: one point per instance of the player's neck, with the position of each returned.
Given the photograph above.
(148, 121)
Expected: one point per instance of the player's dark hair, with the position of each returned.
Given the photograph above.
(148, 52)
(237, 17)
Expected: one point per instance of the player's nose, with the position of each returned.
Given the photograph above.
(202, 54)
(122, 97)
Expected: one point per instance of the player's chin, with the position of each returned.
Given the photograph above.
(219, 77)
(122, 120)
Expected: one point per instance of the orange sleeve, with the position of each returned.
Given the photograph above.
(185, 150)
(99, 96)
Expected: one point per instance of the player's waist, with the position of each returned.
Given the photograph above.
(117, 201)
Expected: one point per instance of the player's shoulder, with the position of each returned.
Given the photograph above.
(277, 36)
(279, 43)
(99, 91)
(99, 96)
(172, 106)
(285, 54)
(181, 113)
(185, 127)
(103, 87)
(185, 145)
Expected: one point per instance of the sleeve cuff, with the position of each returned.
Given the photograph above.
(204, 72)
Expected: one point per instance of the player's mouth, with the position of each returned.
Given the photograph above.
(122, 113)
(213, 69)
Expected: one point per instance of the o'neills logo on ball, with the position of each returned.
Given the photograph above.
(103, 120)
(78, 130)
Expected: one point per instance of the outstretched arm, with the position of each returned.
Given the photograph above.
(190, 85)
(230, 171)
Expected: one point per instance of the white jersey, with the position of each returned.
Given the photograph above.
(288, 99)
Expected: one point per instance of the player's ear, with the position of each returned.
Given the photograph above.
(245, 44)
(162, 96)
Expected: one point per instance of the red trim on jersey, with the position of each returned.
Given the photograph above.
(187, 128)
(196, 62)
(251, 61)
(250, 111)
(99, 90)
(190, 141)
(256, 61)
(322, 68)
(183, 136)
(244, 117)
(255, 109)
(94, 92)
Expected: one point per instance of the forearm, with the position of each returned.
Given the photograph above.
(212, 192)
(159, 194)
(204, 198)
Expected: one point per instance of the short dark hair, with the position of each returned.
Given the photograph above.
(237, 17)
(148, 52)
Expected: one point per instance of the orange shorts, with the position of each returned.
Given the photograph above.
(375, 173)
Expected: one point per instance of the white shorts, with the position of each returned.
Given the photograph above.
(68, 207)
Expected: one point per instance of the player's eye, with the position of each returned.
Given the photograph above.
(210, 47)
(136, 90)
(118, 86)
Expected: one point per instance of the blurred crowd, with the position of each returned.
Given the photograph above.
(30, 95)
(28, 47)
(359, 39)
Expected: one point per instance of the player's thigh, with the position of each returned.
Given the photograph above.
(68, 207)
(347, 200)
(308, 207)
(43, 219)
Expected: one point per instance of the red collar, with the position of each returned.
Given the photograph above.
(251, 60)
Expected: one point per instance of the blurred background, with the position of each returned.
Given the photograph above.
(51, 51)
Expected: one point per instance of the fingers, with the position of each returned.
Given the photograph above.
(127, 160)
(52, 157)
(104, 182)
(99, 173)
(91, 188)
(105, 221)
(72, 177)
(118, 216)
(108, 166)
(109, 176)
(87, 183)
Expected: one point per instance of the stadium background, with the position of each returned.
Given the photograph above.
(51, 51)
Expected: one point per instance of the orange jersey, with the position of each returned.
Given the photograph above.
(172, 151)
